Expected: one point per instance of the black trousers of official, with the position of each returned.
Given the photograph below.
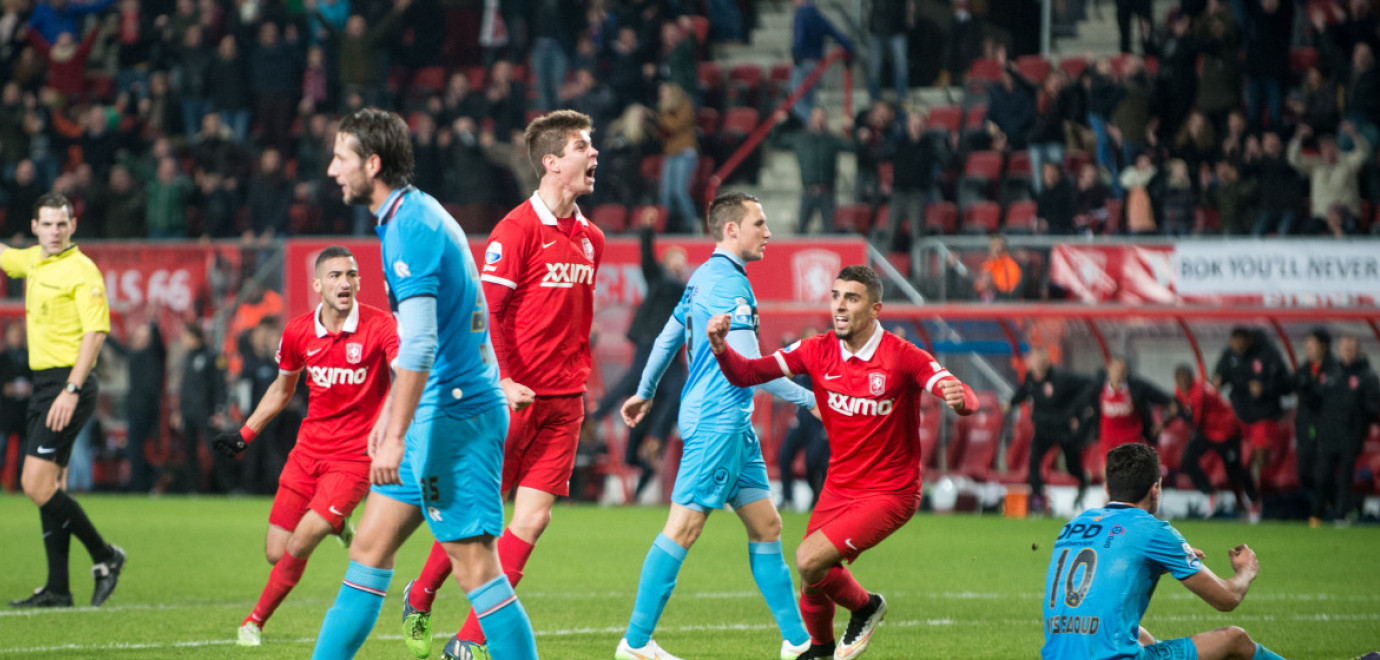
(1070, 442)
(1333, 472)
(810, 438)
(1230, 452)
(143, 426)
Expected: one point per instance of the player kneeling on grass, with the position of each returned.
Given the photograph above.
(872, 381)
(345, 348)
(1107, 562)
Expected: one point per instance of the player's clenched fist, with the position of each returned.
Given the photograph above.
(1243, 560)
(229, 444)
(717, 330)
(519, 396)
(953, 393)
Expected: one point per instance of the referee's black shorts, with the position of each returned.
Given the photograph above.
(43, 442)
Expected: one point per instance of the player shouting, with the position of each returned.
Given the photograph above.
(539, 270)
(345, 348)
(872, 381)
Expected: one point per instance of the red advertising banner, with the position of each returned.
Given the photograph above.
(1135, 274)
(794, 270)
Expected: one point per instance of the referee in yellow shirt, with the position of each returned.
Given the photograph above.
(68, 318)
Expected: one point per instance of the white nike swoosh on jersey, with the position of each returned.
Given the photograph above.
(827, 377)
(335, 511)
(849, 543)
(46, 450)
(311, 353)
(547, 245)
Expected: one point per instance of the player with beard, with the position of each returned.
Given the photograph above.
(872, 381)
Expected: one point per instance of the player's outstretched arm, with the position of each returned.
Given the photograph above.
(231, 443)
(959, 397)
(1225, 595)
(739, 370)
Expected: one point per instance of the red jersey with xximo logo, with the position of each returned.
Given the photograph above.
(550, 265)
(870, 403)
(347, 376)
(1121, 422)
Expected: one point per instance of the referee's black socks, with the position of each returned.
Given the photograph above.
(65, 511)
(56, 541)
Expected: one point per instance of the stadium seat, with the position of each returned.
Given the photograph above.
(740, 121)
(946, 118)
(975, 121)
(1016, 184)
(941, 218)
(978, 437)
(651, 169)
(981, 172)
(1300, 59)
(1033, 67)
(879, 219)
(707, 122)
(478, 75)
(982, 218)
(612, 218)
(428, 80)
(1073, 66)
(901, 262)
(1115, 212)
(853, 218)
(984, 70)
(708, 77)
(1022, 217)
(699, 26)
(744, 85)
(1018, 449)
(1075, 159)
(930, 420)
(1367, 478)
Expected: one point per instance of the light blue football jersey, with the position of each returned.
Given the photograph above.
(1106, 564)
(425, 253)
(708, 401)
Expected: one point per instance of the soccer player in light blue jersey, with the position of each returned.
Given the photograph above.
(437, 449)
(1107, 562)
(722, 460)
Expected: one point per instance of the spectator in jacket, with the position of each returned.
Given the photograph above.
(915, 157)
(665, 285)
(887, 25)
(1219, 88)
(870, 135)
(809, 28)
(357, 48)
(1316, 103)
(1214, 427)
(166, 201)
(1233, 197)
(1267, 60)
(1257, 379)
(269, 196)
(817, 151)
(1176, 200)
(676, 118)
(1054, 205)
(1308, 379)
(229, 82)
(1279, 184)
(52, 18)
(200, 412)
(1334, 176)
(1349, 400)
(146, 362)
(16, 386)
(117, 207)
(66, 58)
(1057, 397)
(1056, 107)
(1090, 201)
(1010, 112)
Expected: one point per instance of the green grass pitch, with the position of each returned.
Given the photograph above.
(958, 587)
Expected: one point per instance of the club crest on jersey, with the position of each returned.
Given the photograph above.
(589, 248)
(354, 353)
(876, 382)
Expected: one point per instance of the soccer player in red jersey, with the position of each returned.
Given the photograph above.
(1123, 406)
(1215, 427)
(872, 381)
(345, 349)
(538, 273)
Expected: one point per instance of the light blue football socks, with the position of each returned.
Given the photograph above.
(774, 581)
(506, 627)
(1262, 653)
(356, 610)
(659, 573)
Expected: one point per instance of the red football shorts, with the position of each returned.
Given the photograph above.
(540, 450)
(331, 488)
(1261, 434)
(856, 522)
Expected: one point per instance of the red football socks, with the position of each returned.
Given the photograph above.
(286, 573)
(818, 612)
(841, 588)
(434, 574)
(513, 554)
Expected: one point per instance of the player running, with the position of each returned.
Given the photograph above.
(539, 270)
(446, 408)
(872, 380)
(722, 459)
(345, 348)
(1107, 561)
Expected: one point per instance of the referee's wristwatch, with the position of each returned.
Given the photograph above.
(72, 388)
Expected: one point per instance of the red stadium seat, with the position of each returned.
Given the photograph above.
(1018, 166)
(707, 122)
(744, 81)
(1073, 66)
(699, 26)
(948, 118)
(1018, 451)
(1074, 160)
(978, 438)
(740, 121)
(985, 165)
(975, 120)
(941, 218)
(429, 79)
(1033, 67)
(478, 75)
(708, 76)
(651, 168)
(900, 261)
(1022, 216)
(982, 218)
(930, 419)
(612, 218)
(984, 70)
(854, 218)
